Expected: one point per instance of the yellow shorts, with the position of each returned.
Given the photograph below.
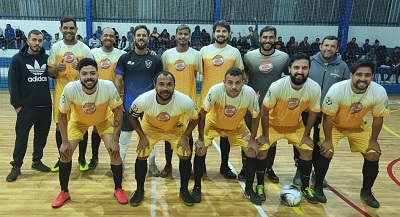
(238, 137)
(358, 138)
(172, 136)
(77, 129)
(292, 134)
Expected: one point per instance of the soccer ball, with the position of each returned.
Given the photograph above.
(290, 195)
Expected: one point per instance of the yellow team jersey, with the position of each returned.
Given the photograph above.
(287, 104)
(184, 66)
(165, 117)
(349, 109)
(63, 53)
(106, 62)
(90, 109)
(216, 62)
(227, 113)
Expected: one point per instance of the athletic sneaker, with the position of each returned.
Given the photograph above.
(253, 197)
(61, 199)
(153, 170)
(83, 165)
(369, 199)
(270, 175)
(196, 194)
(167, 171)
(297, 178)
(241, 176)
(260, 190)
(56, 167)
(309, 194)
(186, 197)
(120, 195)
(13, 175)
(313, 178)
(39, 166)
(227, 173)
(137, 198)
(319, 194)
(93, 163)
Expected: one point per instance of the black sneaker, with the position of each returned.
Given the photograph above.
(260, 190)
(270, 175)
(241, 176)
(137, 198)
(309, 194)
(93, 163)
(369, 199)
(196, 194)
(319, 194)
(13, 175)
(186, 198)
(227, 173)
(253, 197)
(39, 166)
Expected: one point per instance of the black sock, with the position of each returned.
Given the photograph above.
(185, 168)
(370, 171)
(117, 175)
(168, 152)
(316, 154)
(271, 158)
(83, 146)
(95, 145)
(321, 168)
(191, 147)
(260, 170)
(243, 159)
(250, 169)
(140, 173)
(199, 168)
(305, 170)
(225, 149)
(296, 156)
(63, 175)
(58, 140)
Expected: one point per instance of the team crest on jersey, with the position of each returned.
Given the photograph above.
(266, 66)
(148, 63)
(180, 65)
(293, 103)
(218, 60)
(246, 136)
(328, 101)
(89, 108)
(355, 107)
(69, 57)
(229, 110)
(105, 63)
(163, 117)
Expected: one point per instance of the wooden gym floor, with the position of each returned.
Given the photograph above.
(92, 191)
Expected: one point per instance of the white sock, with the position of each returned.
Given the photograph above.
(124, 142)
(152, 157)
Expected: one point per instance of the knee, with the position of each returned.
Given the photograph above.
(142, 158)
(328, 155)
(183, 157)
(250, 153)
(262, 155)
(373, 156)
(306, 154)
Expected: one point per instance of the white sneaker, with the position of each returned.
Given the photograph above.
(153, 170)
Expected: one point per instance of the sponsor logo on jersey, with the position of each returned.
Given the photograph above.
(229, 110)
(148, 63)
(130, 63)
(218, 60)
(89, 108)
(356, 107)
(180, 65)
(105, 63)
(293, 103)
(163, 117)
(69, 57)
(266, 66)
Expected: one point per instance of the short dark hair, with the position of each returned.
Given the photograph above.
(234, 72)
(222, 23)
(362, 63)
(34, 32)
(330, 37)
(66, 20)
(268, 29)
(165, 73)
(300, 56)
(182, 27)
(86, 62)
(141, 27)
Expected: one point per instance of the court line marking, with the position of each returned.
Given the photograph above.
(258, 208)
(153, 199)
(390, 166)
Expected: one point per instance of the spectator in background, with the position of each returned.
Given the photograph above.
(124, 44)
(98, 32)
(205, 37)
(315, 47)
(46, 35)
(376, 44)
(94, 42)
(234, 42)
(172, 42)
(56, 39)
(117, 39)
(291, 46)
(155, 34)
(305, 47)
(371, 56)
(9, 35)
(366, 47)
(1, 37)
(129, 35)
(79, 38)
(382, 56)
(279, 44)
(152, 45)
(351, 52)
(252, 37)
(196, 38)
(20, 37)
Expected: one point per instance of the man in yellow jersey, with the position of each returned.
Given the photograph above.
(63, 61)
(222, 114)
(163, 110)
(217, 59)
(183, 62)
(106, 58)
(89, 102)
(344, 107)
(283, 104)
